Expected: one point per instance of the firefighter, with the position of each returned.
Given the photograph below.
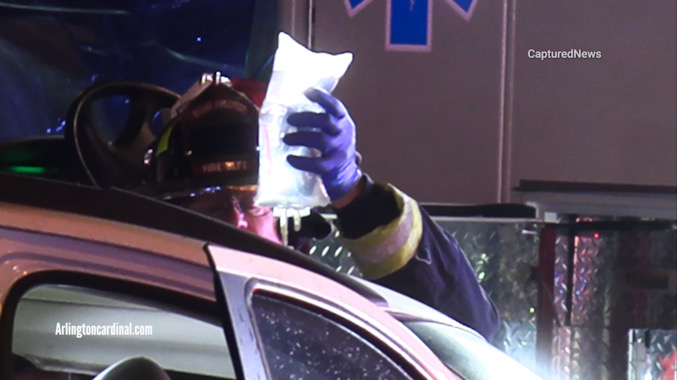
(207, 160)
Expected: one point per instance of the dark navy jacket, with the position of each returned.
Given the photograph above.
(434, 270)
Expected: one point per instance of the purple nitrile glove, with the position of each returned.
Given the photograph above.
(332, 133)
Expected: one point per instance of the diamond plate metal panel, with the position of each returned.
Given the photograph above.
(330, 251)
(561, 358)
(502, 254)
(598, 353)
(616, 276)
(597, 298)
(590, 281)
(652, 354)
(561, 287)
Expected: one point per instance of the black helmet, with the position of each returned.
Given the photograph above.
(210, 146)
(211, 143)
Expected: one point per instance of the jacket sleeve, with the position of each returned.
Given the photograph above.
(395, 243)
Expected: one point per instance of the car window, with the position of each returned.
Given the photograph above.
(468, 354)
(75, 331)
(299, 343)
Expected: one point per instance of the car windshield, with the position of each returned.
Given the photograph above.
(466, 353)
(50, 50)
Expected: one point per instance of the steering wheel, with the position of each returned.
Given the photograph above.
(118, 162)
(133, 368)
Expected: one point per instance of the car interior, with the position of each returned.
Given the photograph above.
(179, 346)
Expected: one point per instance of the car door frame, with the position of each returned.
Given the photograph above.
(240, 275)
(40, 246)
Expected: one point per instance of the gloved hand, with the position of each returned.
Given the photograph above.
(332, 133)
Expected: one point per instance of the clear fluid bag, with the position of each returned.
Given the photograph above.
(292, 192)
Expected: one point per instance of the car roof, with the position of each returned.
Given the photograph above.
(122, 206)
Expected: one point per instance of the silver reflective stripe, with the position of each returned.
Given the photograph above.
(388, 248)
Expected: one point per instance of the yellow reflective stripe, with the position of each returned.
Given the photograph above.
(388, 248)
(163, 144)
